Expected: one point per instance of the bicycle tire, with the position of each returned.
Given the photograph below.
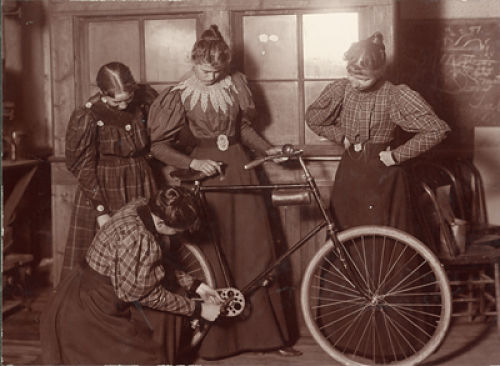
(194, 263)
(397, 295)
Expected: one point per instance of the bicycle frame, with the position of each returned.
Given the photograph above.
(327, 223)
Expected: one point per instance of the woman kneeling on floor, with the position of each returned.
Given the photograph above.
(114, 309)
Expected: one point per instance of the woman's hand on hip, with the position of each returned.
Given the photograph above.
(102, 219)
(386, 157)
(206, 166)
(347, 143)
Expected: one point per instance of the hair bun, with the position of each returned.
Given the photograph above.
(378, 39)
(212, 34)
(171, 196)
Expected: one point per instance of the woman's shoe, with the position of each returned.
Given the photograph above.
(289, 352)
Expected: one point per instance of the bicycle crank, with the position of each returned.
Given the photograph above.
(234, 301)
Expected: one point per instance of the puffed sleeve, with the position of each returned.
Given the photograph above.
(249, 137)
(81, 155)
(412, 113)
(166, 120)
(138, 275)
(322, 114)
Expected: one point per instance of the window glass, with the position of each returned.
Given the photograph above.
(326, 38)
(277, 107)
(168, 44)
(270, 47)
(114, 41)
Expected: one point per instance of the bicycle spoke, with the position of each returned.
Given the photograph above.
(409, 274)
(340, 319)
(336, 311)
(413, 316)
(343, 276)
(387, 329)
(350, 293)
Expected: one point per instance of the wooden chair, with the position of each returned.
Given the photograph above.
(471, 261)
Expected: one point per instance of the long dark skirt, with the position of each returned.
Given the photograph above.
(366, 192)
(242, 224)
(85, 323)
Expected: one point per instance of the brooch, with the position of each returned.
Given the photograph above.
(222, 142)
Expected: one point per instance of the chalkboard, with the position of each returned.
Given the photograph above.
(454, 64)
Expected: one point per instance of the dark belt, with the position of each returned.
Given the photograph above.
(115, 158)
(212, 142)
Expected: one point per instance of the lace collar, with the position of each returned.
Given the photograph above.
(219, 94)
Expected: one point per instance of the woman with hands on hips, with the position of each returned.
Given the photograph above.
(362, 112)
(106, 147)
(111, 310)
(214, 104)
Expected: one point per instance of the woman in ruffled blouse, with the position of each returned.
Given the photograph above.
(215, 105)
(362, 113)
(104, 311)
(106, 146)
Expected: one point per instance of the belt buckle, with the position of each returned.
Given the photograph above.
(358, 147)
(222, 142)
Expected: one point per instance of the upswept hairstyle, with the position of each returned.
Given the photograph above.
(115, 78)
(177, 206)
(211, 49)
(367, 57)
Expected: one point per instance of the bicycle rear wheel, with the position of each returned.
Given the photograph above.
(194, 263)
(395, 309)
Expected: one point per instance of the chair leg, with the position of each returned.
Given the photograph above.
(497, 292)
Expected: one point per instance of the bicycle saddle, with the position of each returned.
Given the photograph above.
(187, 175)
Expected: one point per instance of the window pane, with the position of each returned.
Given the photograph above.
(312, 91)
(168, 46)
(114, 41)
(277, 105)
(270, 43)
(326, 38)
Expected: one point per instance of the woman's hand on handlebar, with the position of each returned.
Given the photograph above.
(206, 166)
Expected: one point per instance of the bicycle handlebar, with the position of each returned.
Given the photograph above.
(287, 151)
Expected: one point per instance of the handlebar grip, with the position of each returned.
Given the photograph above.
(255, 163)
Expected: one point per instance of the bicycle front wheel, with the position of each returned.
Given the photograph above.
(390, 305)
(193, 262)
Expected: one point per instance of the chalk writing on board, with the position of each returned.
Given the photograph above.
(468, 60)
(455, 64)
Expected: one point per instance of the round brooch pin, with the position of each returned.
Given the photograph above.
(128, 127)
(222, 142)
(100, 123)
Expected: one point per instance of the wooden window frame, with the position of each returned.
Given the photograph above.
(81, 34)
(236, 19)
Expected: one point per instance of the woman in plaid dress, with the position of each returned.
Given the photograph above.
(105, 310)
(106, 147)
(362, 112)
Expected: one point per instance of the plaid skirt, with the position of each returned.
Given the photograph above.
(121, 180)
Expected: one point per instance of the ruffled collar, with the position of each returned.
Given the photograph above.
(218, 94)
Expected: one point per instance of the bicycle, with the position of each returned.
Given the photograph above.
(370, 295)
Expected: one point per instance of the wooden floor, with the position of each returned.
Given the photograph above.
(466, 344)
